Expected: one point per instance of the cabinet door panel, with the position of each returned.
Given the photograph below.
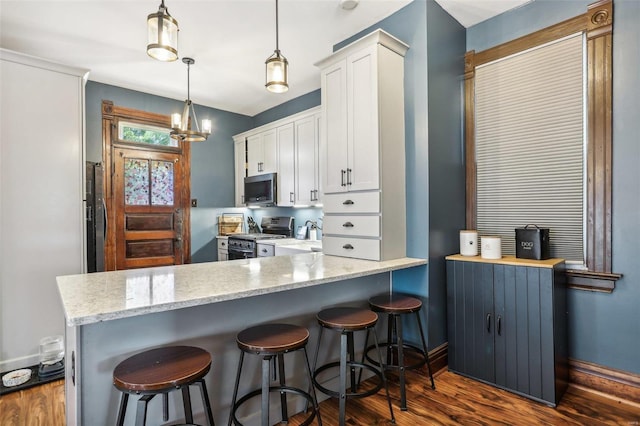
(286, 171)
(269, 150)
(306, 160)
(363, 149)
(254, 155)
(240, 171)
(484, 324)
(547, 342)
(522, 330)
(505, 337)
(334, 127)
(533, 317)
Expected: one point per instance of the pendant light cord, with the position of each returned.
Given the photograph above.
(277, 48)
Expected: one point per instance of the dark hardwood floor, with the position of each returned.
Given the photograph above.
(461, 401)
(456, 401)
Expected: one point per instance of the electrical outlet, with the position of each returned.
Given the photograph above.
(194, 202)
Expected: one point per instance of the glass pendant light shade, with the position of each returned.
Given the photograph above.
(180, 128)
(277, 68)
(277, 73)
(162, 35)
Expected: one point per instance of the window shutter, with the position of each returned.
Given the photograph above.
(530, 145)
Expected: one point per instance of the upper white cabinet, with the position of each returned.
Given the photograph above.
(240, 155)
(362, 146)
(261, 153)
(289, 147)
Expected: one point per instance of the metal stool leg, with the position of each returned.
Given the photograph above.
(205, 401)
(316, 406)
(186, 403)
(343, 377)
(283, 395)
(384, 379)
(352, 358)
(141, 411)
(265, 390)
(235, 388)
(165, 406)
(390, 326)
(123, 409)
(403, 392)
(424, 347)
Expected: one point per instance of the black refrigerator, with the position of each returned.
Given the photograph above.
(95, 217)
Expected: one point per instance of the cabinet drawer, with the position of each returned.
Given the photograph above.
(265, 250)
(223, 244)
(364, 226)
(358, 248)
(352, 202)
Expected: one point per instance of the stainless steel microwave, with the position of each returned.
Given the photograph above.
(261, 190)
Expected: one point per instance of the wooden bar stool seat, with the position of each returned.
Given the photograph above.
(271, 342)
(395, 305)
(347, 321)
(159, 371)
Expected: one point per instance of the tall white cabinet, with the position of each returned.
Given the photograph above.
(362, 149)
(41, 199)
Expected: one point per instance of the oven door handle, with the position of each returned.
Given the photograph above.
(240, 251)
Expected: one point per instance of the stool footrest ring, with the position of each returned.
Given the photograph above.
(287, 389)
(360, 394)
(412, 348)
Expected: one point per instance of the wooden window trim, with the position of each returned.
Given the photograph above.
(597, 24)
(110, 116)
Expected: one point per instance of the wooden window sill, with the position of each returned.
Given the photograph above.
(604, 282)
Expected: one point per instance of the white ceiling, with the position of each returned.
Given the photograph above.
(229, 39)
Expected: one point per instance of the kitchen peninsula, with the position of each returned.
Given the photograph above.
(112, 315)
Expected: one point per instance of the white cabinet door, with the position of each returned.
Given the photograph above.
(286, 160)
(362, 112)
(261, 153)
(334, 129)
(306, 160)
(240, 171)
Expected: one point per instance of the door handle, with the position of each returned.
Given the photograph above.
(488, 323)
(347, 203)
(344, 172)
(347, 247)
(499, 325)
(348, 225)
(291, 197)
(349, 176)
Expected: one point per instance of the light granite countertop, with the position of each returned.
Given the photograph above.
(105, 296)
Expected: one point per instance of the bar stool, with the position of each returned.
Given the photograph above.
(395, 305)
(271, 342)
(347, 321)
(158, 372)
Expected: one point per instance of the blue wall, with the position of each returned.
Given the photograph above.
(603, 328)
(299, 104)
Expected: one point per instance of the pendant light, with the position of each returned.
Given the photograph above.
(180, 123)
(277, 68)
(162, 35)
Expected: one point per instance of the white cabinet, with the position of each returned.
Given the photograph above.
(289, 147)
(261, 153)
(307, 140)
(223, 248)
(240, 155)
(362, 146)
(286, 165)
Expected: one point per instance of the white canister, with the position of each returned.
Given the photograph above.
(491, 247)
(469, 243)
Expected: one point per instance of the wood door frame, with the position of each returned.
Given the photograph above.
(110, 115)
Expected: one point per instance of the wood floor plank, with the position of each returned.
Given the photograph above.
(458, 400)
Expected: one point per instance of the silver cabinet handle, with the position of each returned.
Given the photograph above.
(291, 197)
(347, 202)
(349, 176)
(343, 172)
(348, 225)
(315, 191)
(264, 250)
(311, 195)
(347, 247)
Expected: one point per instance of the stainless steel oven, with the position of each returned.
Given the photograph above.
(244, 246)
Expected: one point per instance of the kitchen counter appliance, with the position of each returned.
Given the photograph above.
(244, 246)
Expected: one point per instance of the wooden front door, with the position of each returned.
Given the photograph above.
(149, 208)
(147, 190)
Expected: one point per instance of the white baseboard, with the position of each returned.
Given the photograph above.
(17, 363)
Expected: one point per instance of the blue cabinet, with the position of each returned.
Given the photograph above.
(507, 324)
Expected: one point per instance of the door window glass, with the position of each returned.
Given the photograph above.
(136, 182)
(161, 183)
(142, 133)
